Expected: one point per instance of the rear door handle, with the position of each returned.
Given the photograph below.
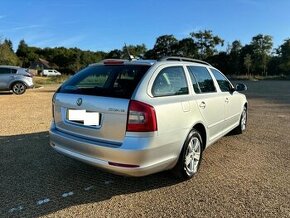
(202, 105)
(227, 100)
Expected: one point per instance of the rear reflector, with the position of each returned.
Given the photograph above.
(123, 165)
(141, 117)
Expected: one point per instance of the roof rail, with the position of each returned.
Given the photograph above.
(176, 58)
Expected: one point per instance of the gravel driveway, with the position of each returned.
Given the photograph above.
(241, 176)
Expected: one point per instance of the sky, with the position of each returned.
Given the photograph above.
(106, 25)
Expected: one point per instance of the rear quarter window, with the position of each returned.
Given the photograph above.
(170, 81)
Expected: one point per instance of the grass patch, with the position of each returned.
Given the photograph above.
(42, 80)
(256, 78)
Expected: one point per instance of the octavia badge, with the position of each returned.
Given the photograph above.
(79, 101)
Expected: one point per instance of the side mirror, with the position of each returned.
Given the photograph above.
(241, 87)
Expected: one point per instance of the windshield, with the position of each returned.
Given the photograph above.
(117, 81)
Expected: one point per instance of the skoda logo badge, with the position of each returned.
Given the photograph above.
(79, 101)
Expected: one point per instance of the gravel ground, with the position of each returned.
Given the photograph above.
(241, 176)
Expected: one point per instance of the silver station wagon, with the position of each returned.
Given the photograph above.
(141, 117)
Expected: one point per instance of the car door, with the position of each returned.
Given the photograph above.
(231, 100)
(5, 78)
(171, 100)
(208, 99)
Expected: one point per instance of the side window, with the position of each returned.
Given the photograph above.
(170, 81)
(5, 70)
(224, 84)
(195, 84)
(203, 79)
(13, 71)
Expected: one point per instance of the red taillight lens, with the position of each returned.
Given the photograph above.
(52, 106)
(141, 117)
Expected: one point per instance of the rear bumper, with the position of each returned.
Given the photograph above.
(144, 159)
(29, 83)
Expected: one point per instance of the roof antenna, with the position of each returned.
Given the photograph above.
(131, 57)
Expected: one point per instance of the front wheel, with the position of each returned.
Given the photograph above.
(190, 157)
(18, 88)
(243, 122)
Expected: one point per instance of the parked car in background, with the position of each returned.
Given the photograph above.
(50, 72)
(140, 117)
(15, 78)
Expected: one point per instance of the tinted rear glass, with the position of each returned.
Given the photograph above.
(117, 81)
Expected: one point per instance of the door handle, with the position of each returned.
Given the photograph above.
(227, 100)
(202, 105)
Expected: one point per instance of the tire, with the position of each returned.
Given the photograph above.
(243, 122)
(190, 156)
(18, 88)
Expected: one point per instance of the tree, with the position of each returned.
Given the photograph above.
(135, 50)
(187, 48)
(7, 56)
(235, 56)
(9, 43)
(284, 51)
(206, 43)
(248, 62)
(116, 53)
(26, 54)
(262, 46)
(165, 46)
(221, 61)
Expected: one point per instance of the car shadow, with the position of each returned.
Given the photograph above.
(6, 93)
(36, 180)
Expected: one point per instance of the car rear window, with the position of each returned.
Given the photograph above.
(117, 81)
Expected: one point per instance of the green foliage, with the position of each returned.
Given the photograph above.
(248, 62)
(7, 56)
(187, 48)
(165, 45)
(235, 57)
(206, 43)
(135, 50)
(284, 52)
(255, 58)
(262, 46)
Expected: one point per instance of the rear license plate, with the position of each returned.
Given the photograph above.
(85, 117)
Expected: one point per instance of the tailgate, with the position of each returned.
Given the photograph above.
(108, 116)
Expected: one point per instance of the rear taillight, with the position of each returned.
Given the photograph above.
(28, 75)
(141, 117)
(52, 106)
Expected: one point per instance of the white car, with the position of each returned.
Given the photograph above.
(50, 72)
(141, 117)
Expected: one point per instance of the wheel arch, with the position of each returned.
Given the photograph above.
(16, 81)
(202, 131)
